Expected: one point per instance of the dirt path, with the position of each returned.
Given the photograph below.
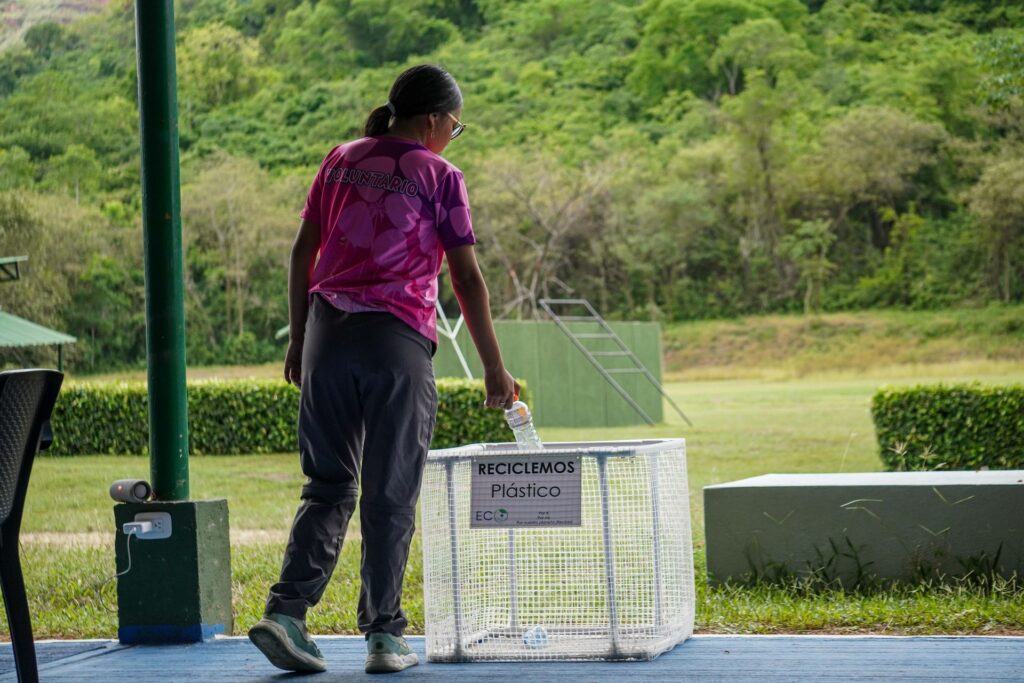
(100, 539)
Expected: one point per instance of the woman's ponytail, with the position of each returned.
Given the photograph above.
(377, 123)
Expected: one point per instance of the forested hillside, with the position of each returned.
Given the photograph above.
(18, 16)
(668, 159)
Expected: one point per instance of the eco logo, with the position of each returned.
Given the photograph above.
(501, 514)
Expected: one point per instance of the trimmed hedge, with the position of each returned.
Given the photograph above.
(238, 416)
(959, 427)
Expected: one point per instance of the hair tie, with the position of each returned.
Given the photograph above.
(391, 108)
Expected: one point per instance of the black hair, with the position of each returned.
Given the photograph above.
(422, 89)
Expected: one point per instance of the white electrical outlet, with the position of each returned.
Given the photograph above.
(161, 522)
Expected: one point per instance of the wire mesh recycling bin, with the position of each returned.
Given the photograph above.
(573, 551)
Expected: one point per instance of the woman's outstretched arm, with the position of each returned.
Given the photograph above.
(471, 291)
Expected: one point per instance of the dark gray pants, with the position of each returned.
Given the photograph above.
(366, 413)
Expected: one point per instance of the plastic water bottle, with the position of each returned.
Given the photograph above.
(521, 422)
(535, 638)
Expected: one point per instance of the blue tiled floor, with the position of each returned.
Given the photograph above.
(702, 658)
(51, 651)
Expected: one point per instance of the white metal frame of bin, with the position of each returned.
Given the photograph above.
(601, 453)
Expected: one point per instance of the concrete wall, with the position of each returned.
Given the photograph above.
(893, 525)
(566, 389)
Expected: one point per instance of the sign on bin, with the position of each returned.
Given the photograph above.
(529, 491)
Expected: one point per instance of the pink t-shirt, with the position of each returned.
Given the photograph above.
(388, 208)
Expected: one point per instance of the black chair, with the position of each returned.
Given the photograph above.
(26, 402)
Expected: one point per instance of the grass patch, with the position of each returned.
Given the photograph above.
(786, 346)
(70, 494)
(69, 598)
(928, 609)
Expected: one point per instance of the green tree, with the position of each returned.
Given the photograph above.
(54, 233)
(236, 220)
(393, 30)
(678, 39)
(867, 162)
(16, 234)
(761, 44)
(658, 212)
(1001, 55)
(807, 247)
(16, 169)
(89, 114)
(15, 64)
(104, 310)
(984, 15)
(763, 125)
(763, 150)
(46, 39)
(997, 202)
(530, 209)
(313, 43)
(217, 65)
(929, 263)
(77, 171)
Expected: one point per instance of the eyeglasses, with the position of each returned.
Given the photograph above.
(458, 128)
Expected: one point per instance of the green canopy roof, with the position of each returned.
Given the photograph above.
(15, 331)
(10, 267)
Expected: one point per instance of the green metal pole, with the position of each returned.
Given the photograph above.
(161, 220)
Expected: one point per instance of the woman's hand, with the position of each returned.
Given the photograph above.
(502, 389)
(293, 362)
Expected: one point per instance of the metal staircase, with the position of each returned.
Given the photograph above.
(601, 335)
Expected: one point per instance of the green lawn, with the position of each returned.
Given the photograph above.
(742, 428)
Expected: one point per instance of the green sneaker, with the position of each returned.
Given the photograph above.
(286, 643)
(386, 654)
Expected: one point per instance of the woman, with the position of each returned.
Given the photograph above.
(382, 213)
